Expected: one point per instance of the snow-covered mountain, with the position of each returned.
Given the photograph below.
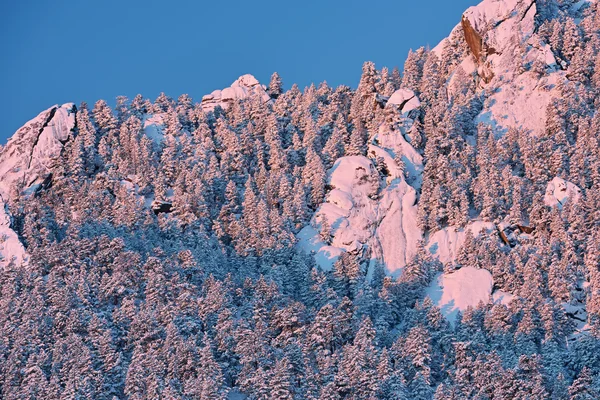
(377, 223)
(502, 37)
(271, 233)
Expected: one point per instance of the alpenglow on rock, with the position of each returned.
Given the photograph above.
(32, 152)
(243, 87)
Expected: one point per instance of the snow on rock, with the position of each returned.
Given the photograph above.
(367, 217)
(244, 87)
(404, 99)
(390, 143)
(361, 217)
(26, 164)
(325, 255)
(497, 23)
(11, 248)
(456, 291)
(33, 151)
(398, 233)
(394, 171)
(577, 312)
(502, 39)
(521, 103)
(340, 199)
(446, 243)
(559, 191)
(347, 171)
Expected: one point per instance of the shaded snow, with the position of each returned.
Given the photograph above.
(235, 394)
(153, 127)
(325, 255)
(459, 290)
(502, 297)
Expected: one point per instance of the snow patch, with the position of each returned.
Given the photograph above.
(459, 290)
(310, 243)
(521, 103)
(153, 127)
(501, 297)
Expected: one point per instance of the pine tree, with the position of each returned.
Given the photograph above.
(363, 101)
(313, 177)
(209, 384)
(413, 70)
(280, 384)
(358, 141)
(582, 387)
(275, 86)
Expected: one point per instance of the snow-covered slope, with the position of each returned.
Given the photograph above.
(501, 37)
(243, 87)
(374, 218)
(32, 152)
(459, 290)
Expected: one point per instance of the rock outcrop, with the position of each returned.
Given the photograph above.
(33, 151)
(559, 191)
(369, 216)
(244, 87)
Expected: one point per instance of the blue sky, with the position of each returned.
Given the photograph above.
(61, 51)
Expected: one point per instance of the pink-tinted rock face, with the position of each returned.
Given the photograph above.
(33, 151)
(244, 87)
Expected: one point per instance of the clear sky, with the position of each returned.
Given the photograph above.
(72, 51)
